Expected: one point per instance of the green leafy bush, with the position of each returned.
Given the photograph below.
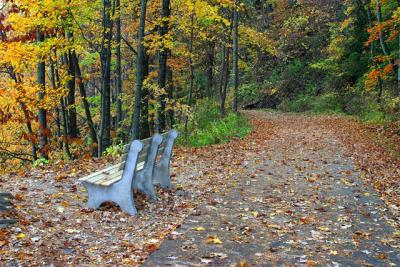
(40, 162)
(208, 127)
(250, 92)
(114, 150)
(327, 103)
(299, 104)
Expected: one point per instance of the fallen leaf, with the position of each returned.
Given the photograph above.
(206, 261)
(333, 252)
(21, 235)
(213, 240)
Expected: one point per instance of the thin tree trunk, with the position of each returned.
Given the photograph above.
(65, 128)
(64, 114)
(135, 133)
(379, 19)
(398, 64)
(385, 49)
(170, 90)
(86, 106)
(56, 110)
(105, 125)
(210, 68)
(235, 56)
(144, 115)
(224, 75)
(191, 68)
(162, 70)
(118, 70)
(41, 80)
(379, 84)
(30, 131)
(73, 130)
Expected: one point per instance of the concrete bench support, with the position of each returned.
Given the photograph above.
(144, 178)
(162, 169)
(119, 192)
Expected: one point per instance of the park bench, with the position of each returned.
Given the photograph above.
(143, 163)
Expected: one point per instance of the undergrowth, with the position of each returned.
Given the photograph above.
(208, 127)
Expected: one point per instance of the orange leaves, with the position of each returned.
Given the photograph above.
(388, 69)
(376, 73)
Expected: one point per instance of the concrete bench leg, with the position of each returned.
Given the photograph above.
(144, 179)
(121, 191)
(145, 184)
(117, 193)
(161, 174)
(161, 171)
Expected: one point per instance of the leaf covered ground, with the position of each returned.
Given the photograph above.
(298, 190)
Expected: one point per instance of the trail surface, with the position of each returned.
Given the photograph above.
(299, 190)
(296, 198)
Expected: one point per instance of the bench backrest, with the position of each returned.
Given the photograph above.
(144, 154)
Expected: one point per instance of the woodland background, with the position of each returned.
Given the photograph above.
(80, 78)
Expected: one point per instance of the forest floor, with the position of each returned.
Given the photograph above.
(300, 190)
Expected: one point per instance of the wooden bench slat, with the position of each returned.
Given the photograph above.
(110, 179)
(88, 177)
(140, 166)
(103, 174)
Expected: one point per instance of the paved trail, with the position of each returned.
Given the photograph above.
(296, 200)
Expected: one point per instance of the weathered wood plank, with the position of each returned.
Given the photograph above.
(88, 177)
(115, 177)
(103, 175)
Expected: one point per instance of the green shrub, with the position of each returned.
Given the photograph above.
(301, 103)
(370, 113)
(327, 103)
(208, 127)
(40, 162)
(114, 150)
(250, 92)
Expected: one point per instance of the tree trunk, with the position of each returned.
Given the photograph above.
(379, 84)
(398, 65)
(72, 116)
(144, 115)
(65, 128)
(162, 70)
(30, 131)
(135, 133)
(191, 75)
(379, 19)
(224, 73)
(385, 49)
(64, 114)
(86, 106)
(105, 56)
(210, 68)
(56, 110)
(118, 70)
(41, 80)
(73, 130)
(235, 56)
(170, 91)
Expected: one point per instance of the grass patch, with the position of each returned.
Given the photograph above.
(327, 103)
(208, 127)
